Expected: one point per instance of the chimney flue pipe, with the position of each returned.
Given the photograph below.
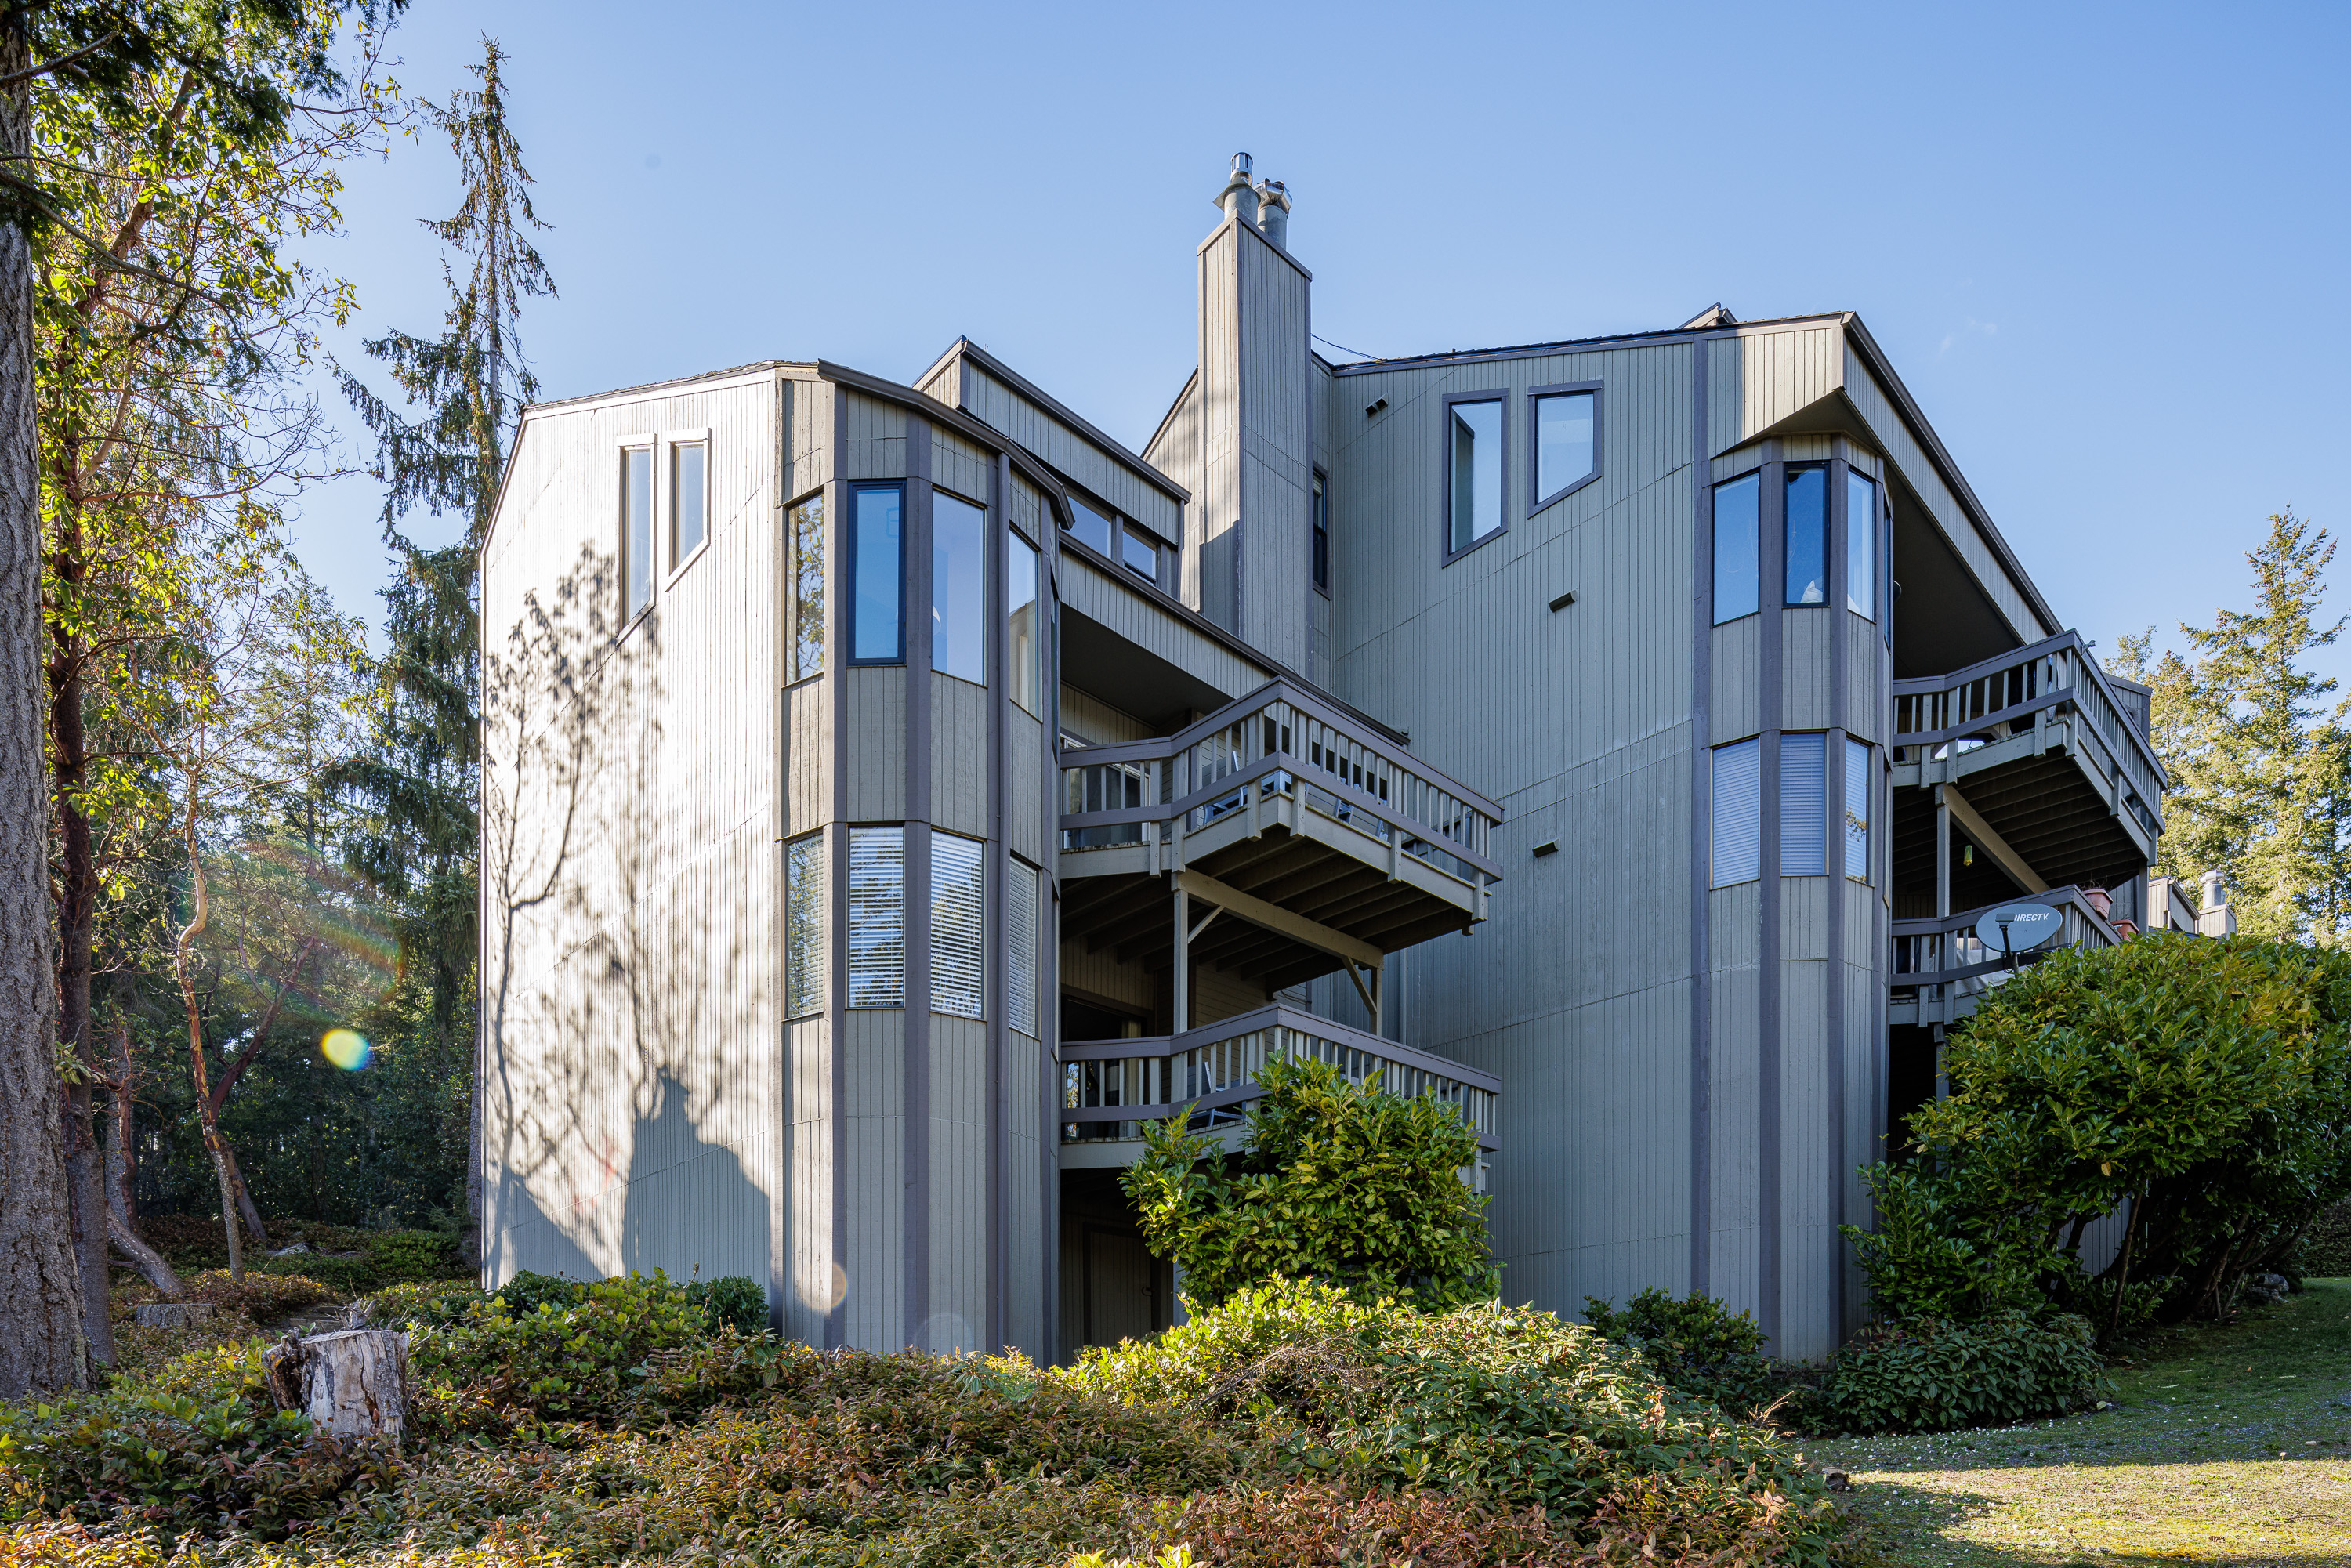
(1238, 198)
(1273, 212)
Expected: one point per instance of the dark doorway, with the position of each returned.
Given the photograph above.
(1086, 1019)
(1111, 1287)
(1909, 1083)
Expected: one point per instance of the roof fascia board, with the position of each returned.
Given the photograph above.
(1055, 409)
(621, 394)
(1591, 345)
(1906, 407)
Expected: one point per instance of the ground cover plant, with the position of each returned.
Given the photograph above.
(2229, 1443)
(1293, 1425)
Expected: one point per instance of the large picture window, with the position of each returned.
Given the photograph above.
(877, 917)
(1738, 547)
(1861, 544)
(806, 897)
(1566, 441)
(877, 572)
(1473, 472)
(1803, 805)
(958, 949)
(636, 529)
(1025, 636)
(1807, 536)
(804, 538)
(1737, 812)
(1858, 776)
(958, 589)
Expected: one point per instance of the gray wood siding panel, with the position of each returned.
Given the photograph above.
(1025, 829)
(1737, 706)
(875, 750)
(1804, 668)
(808, 429)
(1277, 448)
(959, 1187)
(1809, 1260)
(815, 1280)
(1867, 669)
(1004, 409)
(808, 789)
(874, 439)
(874, 1138)
(1735, 1166)
(631, 1049)
(1087, 717)
(1757, 379)
(960, 467)
(1217, 500)
(1026, 1067)
(1027, 509)
(959, 756)
(1104, 976)
(1804, 918)
(1102, 599)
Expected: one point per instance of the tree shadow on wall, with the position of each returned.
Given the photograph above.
(688, 1200)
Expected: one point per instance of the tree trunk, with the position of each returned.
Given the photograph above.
(191, 1007)
(122, 1157)
(41, 1339)
(86, 1200)
(245, 1198)
(352, 1384)
(150, 1262)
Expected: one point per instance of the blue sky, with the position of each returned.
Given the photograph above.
(2105, 245)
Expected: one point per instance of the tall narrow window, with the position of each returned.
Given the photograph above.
(1564, 451)
(1738, 547)
(806, 897)
(1808, 536)
(958, 589)
(689, 499)
(1737, 812)
(1803, 805)
(1089, 523)
(1321, 535)
(1474, 472)
(877, 571)
(1857, 772)
(1020, 949)
(804, 536)
(958, 953)
(636, 529)
(1861, 544)
(877, 917)
(1025, 635)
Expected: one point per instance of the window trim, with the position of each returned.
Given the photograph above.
(649, 442)
(664, 507)
(1713, 555)
(1830, 565)
(1446, 554)
(789, 616)
(1536, 503)
(986, 620)
(849, 490)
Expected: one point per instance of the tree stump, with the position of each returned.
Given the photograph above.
(351, 1384)
(173, 1314)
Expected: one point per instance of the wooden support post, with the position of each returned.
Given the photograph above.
(1942, 855)
(1183, 966)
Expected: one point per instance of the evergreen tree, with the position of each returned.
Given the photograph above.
(2255, 754)
(418, 783)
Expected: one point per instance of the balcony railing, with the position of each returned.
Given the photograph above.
(1943, 718)
(1946, 967)
(1111, 1086)
(1279, 741)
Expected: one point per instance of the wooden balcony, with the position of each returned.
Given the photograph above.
(1328, 844)
(1110, 1087)
(2039, 744)
(1940, 968)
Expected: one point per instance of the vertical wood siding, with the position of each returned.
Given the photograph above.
(1104, 599)
(959, 1187)
(1003, 408)
(875, 750)
(959, 757)
(873, 1163)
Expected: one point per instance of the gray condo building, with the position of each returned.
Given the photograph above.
(895, 793)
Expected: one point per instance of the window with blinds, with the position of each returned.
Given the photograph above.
(1803, 805)
(1857, 810)
(804, 896)
(1021, 950)
(877, 917)
(958, 961)
(1737, 812)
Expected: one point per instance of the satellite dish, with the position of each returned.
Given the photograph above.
(2009, 928)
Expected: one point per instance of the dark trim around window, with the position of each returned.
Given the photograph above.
(850, 493)
(1446, 554)
(1536, 503)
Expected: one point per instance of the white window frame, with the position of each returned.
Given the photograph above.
(648, 442)
(665, 484)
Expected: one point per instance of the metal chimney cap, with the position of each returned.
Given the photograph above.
(1273, 192)
(1242, 164)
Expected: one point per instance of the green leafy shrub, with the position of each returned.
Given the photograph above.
(1938, 1376)
(196, 1444)
(494, 1364)
(2325, 1249)
(1508, 1406)
(527, 1292)
(1700, 1346)
(2206, 1082)
(436, 1303)
(259, 1296)
(732, 1301)
(1337, 1181)
(403, 1257)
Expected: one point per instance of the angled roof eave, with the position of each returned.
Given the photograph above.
(964, 348)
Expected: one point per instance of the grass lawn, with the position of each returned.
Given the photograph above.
(2231, 1445)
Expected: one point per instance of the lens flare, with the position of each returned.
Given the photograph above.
(347, 1048)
